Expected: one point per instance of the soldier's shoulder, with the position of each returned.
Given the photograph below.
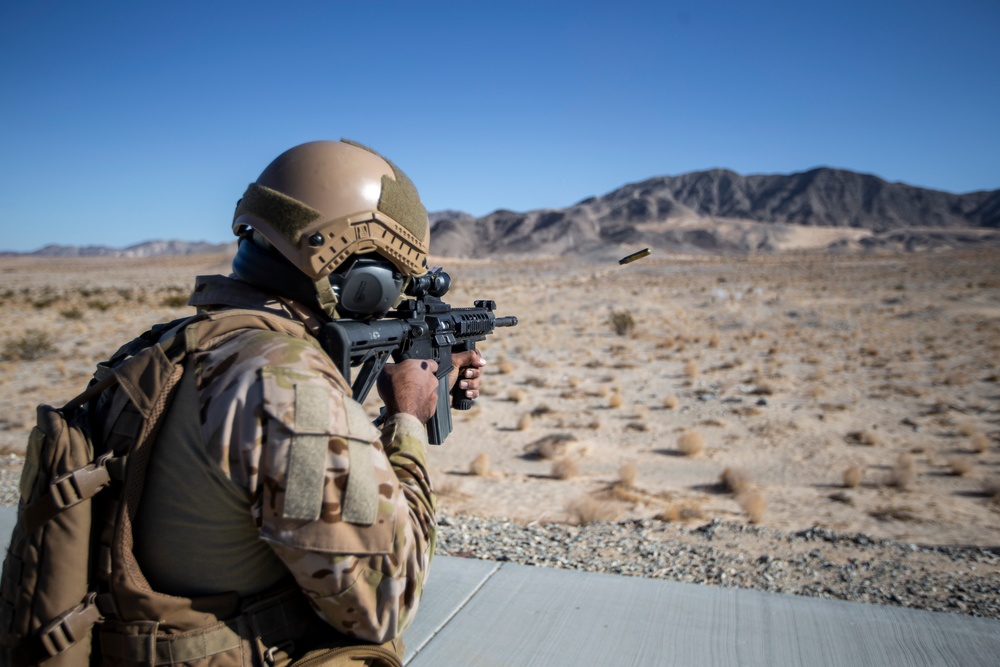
(276, 343)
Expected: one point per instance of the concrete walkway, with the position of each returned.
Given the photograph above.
(482, 613)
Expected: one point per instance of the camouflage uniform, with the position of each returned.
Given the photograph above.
(348, 510)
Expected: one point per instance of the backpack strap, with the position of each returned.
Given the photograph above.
(142, 375)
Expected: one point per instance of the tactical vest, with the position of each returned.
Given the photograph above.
(120, 616)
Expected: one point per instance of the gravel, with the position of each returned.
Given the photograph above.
(814, 562)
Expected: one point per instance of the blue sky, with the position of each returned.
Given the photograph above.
(127, 121)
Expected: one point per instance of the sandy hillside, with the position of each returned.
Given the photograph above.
(795, 372)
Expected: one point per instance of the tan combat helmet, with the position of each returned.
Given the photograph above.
(322, 202)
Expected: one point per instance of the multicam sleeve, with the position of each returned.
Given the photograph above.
(349, 510)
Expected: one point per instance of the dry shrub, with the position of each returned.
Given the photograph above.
(968, 429)
(691, 369)
(734, 480)
(764, 389)
(959, 465)
(753, 504)
(565, 468)
(991, 488)
(852, 476)
(524, 423)
(673, 513)
(517, 396)
(670, 402)
(890, 513)
(33, 344)
(587, 509)
(446, 486)
(869, 437)
(903, 473)
(627, 474)
(550, 447)
(691, 443)
(622, 322)
(713, 340)
(615, 400)
(980, 443)
(505, 367)
(172, 301)
(480, 465)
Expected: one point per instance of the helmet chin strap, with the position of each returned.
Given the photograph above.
(327, 297)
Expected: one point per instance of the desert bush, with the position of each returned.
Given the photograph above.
(587, 509)
(968, 429)
(44, 302)
(734, 480)
(627, 474)
(505, 367)
(517, 396)
(959, 465)
(33, 344)
(102, 305)
(691, 443)
(480, 465)
(869, 438)
(691, 369)
(670, 402)
(446, 485)
(72, 314)
(680, 512)
(622, 322)
(903, 472)
(980, 443)
(550, 447)
(524, 423)
(565, 468)
(753, 504)
(615, 400)
(852, 476)
(174, 301)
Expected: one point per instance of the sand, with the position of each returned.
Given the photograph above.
(787, 369)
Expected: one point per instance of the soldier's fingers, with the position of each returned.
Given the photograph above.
(470, 358)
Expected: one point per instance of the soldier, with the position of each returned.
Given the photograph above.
(265, 471)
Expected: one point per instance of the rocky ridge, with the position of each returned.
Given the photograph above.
(720, 211)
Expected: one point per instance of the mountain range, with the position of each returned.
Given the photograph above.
(713, 211)
(721, 211)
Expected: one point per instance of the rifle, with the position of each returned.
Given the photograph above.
(422, 327)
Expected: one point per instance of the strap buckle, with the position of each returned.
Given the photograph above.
(78, 485)
(70, 626)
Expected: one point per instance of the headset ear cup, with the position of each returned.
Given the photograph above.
(369, 288)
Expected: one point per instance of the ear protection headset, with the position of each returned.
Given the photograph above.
(366, 286)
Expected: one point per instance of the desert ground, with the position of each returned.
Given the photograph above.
(857, 393)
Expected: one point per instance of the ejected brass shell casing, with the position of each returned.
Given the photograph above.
(634, 256)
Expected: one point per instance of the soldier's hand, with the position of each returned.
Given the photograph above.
(467, 373)
(410, 386)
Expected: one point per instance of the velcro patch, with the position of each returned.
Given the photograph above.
(307, 454)
(361, 495)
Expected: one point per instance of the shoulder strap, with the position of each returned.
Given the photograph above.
(212, 327)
